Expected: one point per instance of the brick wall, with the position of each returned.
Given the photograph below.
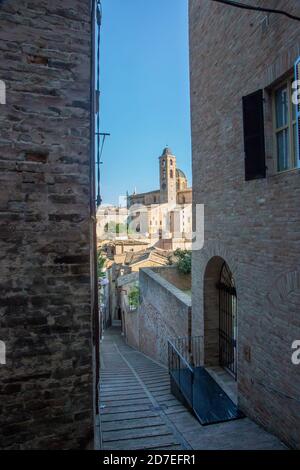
(254, 225)
(164, 313)
(45, 320)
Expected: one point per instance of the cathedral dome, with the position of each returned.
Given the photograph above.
(180, 174)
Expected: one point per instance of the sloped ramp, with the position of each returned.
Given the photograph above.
(210, 403)
(138, 410)
(203, 396)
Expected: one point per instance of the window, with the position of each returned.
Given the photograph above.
(285, 139)
(171, 173)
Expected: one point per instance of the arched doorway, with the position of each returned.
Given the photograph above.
(220, 317)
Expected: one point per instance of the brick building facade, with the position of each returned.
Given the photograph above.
(252, 222)
(46, 385)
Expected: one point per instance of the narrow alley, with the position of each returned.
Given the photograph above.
(138, 410)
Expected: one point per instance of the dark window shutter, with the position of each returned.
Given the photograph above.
(254, 136)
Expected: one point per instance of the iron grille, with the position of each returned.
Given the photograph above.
(227, 321)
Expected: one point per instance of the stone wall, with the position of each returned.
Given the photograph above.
(130, 322)
(164, 312)
(173, 276)
(45, 318)
(252, 225)
(131, 327)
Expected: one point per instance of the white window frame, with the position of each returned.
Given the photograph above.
(292, 162)
(297, 78)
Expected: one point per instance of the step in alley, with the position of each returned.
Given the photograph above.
(138, 410)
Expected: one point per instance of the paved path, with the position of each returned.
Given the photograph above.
(139, 412)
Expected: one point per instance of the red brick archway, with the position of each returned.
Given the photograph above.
(219, 326)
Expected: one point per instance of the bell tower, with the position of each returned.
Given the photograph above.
(167, 163)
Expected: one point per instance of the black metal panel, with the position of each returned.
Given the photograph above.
(211, 404)
(198, 391)
(254, 136)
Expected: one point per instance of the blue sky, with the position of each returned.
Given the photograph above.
(145, 92)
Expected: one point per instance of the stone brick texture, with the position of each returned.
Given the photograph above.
(45, 320)
(253, 225)
(131, 327)
(164, 313)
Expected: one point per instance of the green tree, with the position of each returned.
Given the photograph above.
(184, 261)
(117, 228)
(134, 298)
(112, 227)
(101, 260)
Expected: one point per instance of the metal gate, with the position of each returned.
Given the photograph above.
(227, 321)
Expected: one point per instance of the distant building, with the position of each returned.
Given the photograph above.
(107, 218)
(164, 215)
(173, 185)
(119, 247)
(126, 263)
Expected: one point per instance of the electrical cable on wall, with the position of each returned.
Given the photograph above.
(99, 134)
(99, 20)
(244, 6)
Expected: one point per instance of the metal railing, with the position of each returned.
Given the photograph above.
(193, 385)
(183, 356)
(189, 349)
